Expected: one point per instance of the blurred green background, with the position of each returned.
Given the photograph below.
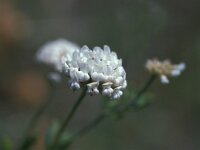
(136, 30)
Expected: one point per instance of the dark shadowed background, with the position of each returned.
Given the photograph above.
(136, 30)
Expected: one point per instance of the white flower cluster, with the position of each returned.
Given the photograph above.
(99, 69)
(164, 69)
(54, 53)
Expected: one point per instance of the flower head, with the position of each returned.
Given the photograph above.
(53, 53)
(99, 69)
(164, 69)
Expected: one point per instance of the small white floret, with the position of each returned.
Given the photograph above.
(164, 79)
(92, 88)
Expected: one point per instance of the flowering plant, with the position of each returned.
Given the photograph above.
(95, 71)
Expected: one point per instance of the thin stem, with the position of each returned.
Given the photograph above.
(90, 126)
(68, 119)
(144, 89)
(102, 116)
(85, 129)
(26, 142)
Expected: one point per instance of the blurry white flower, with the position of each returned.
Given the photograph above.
(55, 76)
(53, 53)
(164, 69)
(99, 69)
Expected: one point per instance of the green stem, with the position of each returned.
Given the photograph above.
(90, 126)
(27, 138)
(68, 119)
(102, 116)
(84, 130)
(145, 88)
(133, 103)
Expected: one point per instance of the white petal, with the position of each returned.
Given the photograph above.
(181, 66)
(92, 88)
(107, 92)
(74, 85)
(106, 49)
(164, 79)
(84, 48)
(117, 94)
(175, 73)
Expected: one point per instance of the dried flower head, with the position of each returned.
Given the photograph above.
(99, 69)
(164, 69)
(53, 53)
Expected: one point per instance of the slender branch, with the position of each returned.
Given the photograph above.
(27, 140)
(102, 116)
(68, 119)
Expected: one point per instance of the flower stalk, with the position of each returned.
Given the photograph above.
(68, 119)
(133, 103)
(101, 117)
